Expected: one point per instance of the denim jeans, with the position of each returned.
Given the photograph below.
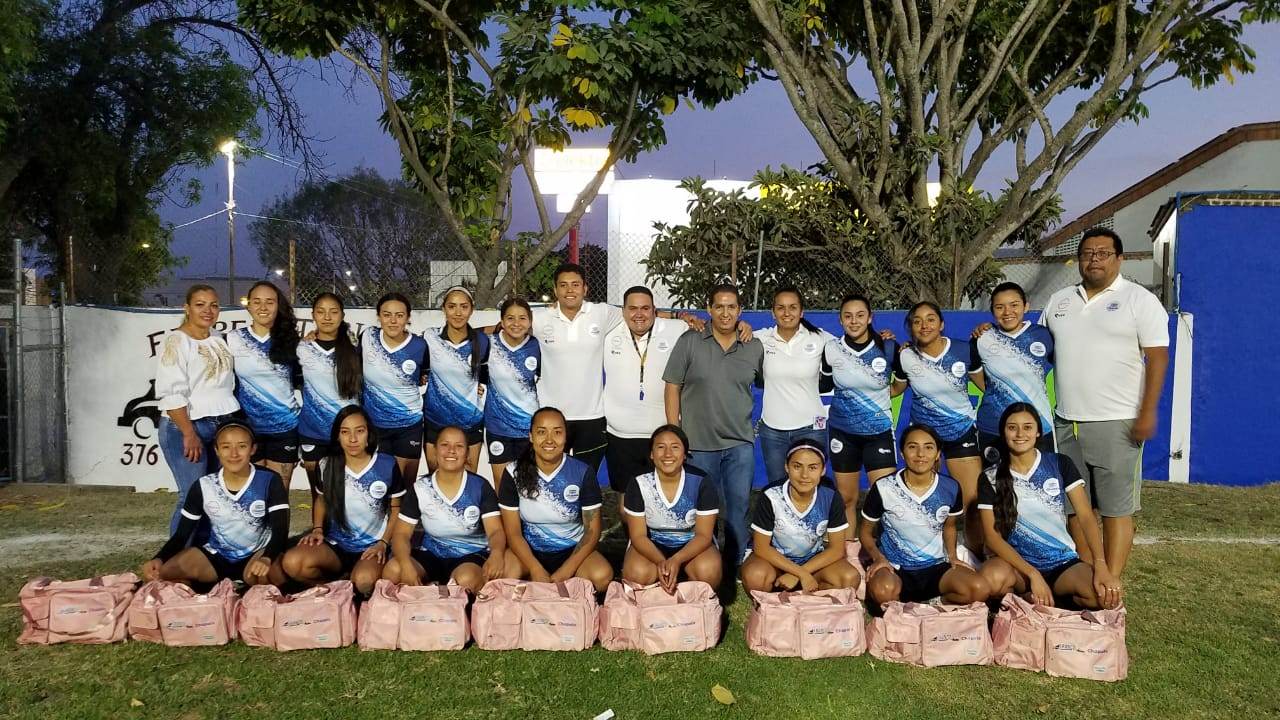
(185, 472)
(731, 471)
(775, 443)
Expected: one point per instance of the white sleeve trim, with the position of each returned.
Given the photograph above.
(411, 521)
(865, 516)
(189, 516)
(1074, 484)
(511, 507)
(709, 512)
(274, 508)
(761, 530)
(632, 513)
(591, 507)
(976, 370)
(399, 494)
(838, 528)
(485, 515)
(957, 513)
(983, 507)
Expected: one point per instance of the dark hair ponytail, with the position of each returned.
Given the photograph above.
(473, 337)
(346, 356)
(1006, 505)
(796, 291)
(526, 469)
(333, 474)
(284, 331)
(871, 328)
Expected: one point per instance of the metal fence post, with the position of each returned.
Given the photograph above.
(19, 387)
(62, 386)
(755, 299)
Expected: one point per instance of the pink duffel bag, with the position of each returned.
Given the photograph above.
(91, 611)
(171, 613)
(648, 618)
(425, 617)
(1088, 644)
(520, 614)
(931, 635)
(320, 617)
(826, 623)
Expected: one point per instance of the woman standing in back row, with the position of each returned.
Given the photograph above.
(330, 365)
(395, 368)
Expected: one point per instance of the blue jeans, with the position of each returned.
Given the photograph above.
(731, 471)
(775, 443)
(185, 472)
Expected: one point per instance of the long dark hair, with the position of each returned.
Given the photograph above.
(346, 356)
(507, 305)
(526, 470)
(1006, 505)
(871, 328)
(921, 427)
(796, 291)
(473, 337)
(284, 331)
(333, 475)
(911, 313)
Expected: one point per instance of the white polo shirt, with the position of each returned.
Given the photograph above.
(626, 414)
(572, 358)
(1098, 347)
(791, 369)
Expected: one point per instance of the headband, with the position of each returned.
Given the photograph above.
(236, 424)
(807, 445)
(462, 290)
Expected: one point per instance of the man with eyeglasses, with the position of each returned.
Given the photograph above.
(1112, 349)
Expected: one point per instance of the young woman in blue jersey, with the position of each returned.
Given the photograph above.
(799, 530)
(670, 513)
(859, 367)
(358, 494)
(247, 513)
(550, 506)
(915, 556)
(266, 364)
(1014, 358)
(395, 368)
(330, 364)
(1021, 501)
(462, 537)
(455, 354)
(511, 378)
(938, 370)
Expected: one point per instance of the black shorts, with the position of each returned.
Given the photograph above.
(551, 561)
(223, 567)
(346, 558)
(628, 458)
(851, 453)
(990, 445)
(402, 442)
(965, 446)
(313, 450)
(586, 440)
(278, 448)
(475, 435)
(441, 569)
(1052, 574)
(921, 585)
(504, 449)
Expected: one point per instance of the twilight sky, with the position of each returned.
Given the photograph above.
(734, 140)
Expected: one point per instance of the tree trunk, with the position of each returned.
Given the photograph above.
(11, 164)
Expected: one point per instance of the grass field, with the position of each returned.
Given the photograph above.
(1204, 642)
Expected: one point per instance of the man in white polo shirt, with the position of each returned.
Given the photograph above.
(635, 357)
(1103, 329)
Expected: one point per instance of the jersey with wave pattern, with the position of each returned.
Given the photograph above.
(1016, 367)
(367, 501)
(940, 388)
(453, 391)
(860, 402)
(512, 394)
(321, 399)
(911, 527)
(392, 395)
(263, 388)
(1040, 535)
(552, 518)
(454, 527)
(799, 535)
(238, 524)
(671, 524)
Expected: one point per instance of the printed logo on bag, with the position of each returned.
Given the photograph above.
(531, 363)
(1100, 669)
(836, 445)
(258, 508)
(1038, 349)
(377, 489)
(957, 368)
(495, 447)
(408, 366)
(691, 517)
(941, 514)
(1051, 487)
(471, 514)
(879, 364)
(571, 493)
(72, 610)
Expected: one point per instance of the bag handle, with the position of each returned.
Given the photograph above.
(444, 591)
(785, 597)
(563, 590)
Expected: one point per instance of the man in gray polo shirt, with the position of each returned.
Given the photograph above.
(709, 377)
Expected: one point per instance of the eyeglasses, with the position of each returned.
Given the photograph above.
(1097, 254)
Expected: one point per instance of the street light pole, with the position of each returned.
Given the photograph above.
(228, 148)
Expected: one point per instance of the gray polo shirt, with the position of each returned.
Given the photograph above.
(715, 392)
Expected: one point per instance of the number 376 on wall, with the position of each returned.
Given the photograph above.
(139, 454)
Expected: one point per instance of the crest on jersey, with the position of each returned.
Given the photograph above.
(571, 493)
(496, 447)
(258, 508)
(531, 363)
(957, 369)
(1064, 303)
(471, 514)
(836, 445)
(1051, 487)
(822, 527)
(879, 364)
(1038, 349)
(408, 366)
(1113, 306)
(377, 489)
(691, 517)
(941, 514)
(811, 347)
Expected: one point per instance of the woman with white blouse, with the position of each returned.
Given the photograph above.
(195, 387)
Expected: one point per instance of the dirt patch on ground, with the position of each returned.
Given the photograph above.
(27, 550)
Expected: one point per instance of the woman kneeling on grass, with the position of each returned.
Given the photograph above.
(914, 558)
(1025, 522)
(551, 509)
(462, 538)
(671, 518)
(799, 529)
(359, 491)
(248, 512)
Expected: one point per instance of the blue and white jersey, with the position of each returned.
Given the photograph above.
(263, 388)
(551, 520)
(670, 522)
(239, 523)
(321, 399)
(1016, 366)
(1040, 536)
(367, 502)
(392, 376)
(911, 525)
(939, 387)
(453, 392)
(452, 527)
(511, 375)
(799, 535)
(860, 402)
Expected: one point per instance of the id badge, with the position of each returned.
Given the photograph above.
(820, 423)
